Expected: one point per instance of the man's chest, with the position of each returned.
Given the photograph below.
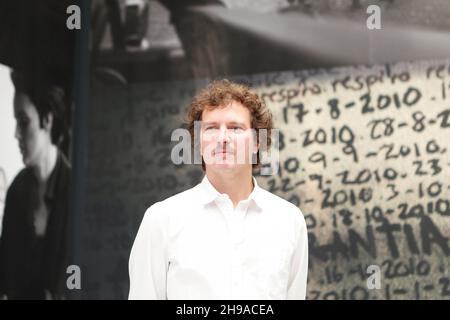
(253, 254)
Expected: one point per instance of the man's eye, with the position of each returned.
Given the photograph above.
(237, 129)
(22, 122)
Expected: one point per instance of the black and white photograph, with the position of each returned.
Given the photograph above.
(36, 63)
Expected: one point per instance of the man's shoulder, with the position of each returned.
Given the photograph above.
(281, 206)
(273, 199)
(172, 212)
(22, 181)
(176, 203)
(179, 200)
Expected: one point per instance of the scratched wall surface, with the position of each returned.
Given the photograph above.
(364, 152)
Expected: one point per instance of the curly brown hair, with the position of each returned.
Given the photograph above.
(221, 92)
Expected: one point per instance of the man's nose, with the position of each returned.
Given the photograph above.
(223, 135)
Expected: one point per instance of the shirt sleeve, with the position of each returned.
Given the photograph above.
(298, 274)
(148, 262)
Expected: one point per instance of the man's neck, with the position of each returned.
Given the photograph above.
(46, 165)
(237, 185)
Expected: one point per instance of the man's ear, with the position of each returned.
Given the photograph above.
(48, 122)
(256, 148)
(255, 144)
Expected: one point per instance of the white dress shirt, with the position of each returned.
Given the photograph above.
(194, 245)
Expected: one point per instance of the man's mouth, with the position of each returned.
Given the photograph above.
(223, 152)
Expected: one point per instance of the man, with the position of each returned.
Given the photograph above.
(33, 246)
(226, 238)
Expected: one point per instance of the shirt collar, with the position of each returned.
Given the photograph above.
(209, 193)
(51, 183)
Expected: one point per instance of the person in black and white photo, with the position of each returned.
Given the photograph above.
(33, 245)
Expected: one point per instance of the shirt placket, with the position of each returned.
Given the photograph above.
(235, 222)
(237, 236)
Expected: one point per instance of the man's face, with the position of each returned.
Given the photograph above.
(227, 140)
(31, 137)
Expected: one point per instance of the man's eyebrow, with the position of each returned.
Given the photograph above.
(238, 123)
(208, 123)
(205, 123)
(230, 122)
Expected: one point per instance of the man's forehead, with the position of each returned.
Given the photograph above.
(224, 105)
(232, 108)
